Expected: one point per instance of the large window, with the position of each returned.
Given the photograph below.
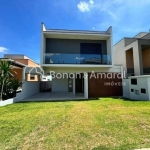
(71, 51)
(90, 53)
(90, 48)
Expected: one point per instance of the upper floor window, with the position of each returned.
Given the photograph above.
(90, 48)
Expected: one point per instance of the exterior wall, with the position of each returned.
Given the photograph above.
(148, 92)
(142, 82)
(18, 73)
(102, 87)
(120, 49)
(119, 53)
(60, 85)
(28, 89)
(119, 56)
(70, 46)
(126, 88)
(129, 59)
(109, 49)
(43, 48)
(145, 58)
(81, 69)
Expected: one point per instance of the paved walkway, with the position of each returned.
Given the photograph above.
(49, 96)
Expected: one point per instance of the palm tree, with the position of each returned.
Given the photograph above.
(5, 73)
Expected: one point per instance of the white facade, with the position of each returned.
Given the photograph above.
(139, 89)
(62, 84)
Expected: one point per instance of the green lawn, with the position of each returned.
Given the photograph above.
(105, 124)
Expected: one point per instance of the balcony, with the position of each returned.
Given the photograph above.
(60, 58)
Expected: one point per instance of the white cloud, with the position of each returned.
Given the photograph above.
(3, 50)
(91, 2)
(83, 6)
(123, 15)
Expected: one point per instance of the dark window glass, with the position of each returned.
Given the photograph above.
(90, 48)
(32, 77)
(143, 90)
(90, 53)
(134, 81)
(132, 90)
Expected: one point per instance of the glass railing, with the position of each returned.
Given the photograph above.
(60, 58)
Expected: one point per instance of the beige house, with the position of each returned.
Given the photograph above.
(26, 61)
(133, 54)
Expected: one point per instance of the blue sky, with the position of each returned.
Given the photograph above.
(20, 20)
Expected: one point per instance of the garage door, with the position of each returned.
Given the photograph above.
(104, 86)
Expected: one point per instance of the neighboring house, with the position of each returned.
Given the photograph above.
(80, 52)
(26, 62)
(133, 54)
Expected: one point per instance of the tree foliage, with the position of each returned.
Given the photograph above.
(8, 82)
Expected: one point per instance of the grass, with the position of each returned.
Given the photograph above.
(99, 125)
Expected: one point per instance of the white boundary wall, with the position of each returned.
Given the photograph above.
(134, 91)
(126, 88)
(143, 82)
(28, 89)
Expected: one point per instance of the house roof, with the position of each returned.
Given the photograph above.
(14, 63)
(17, 56)
(107, 32)
(133, 39)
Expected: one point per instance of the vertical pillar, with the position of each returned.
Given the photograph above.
(74, 86)
(86, 85)
(137, 57)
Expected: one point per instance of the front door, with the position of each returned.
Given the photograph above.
(79, 83)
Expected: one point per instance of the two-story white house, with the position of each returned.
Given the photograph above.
(79, 62)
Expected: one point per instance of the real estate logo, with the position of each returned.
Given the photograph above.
(33, 70)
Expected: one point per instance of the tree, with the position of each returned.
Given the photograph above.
(5, 74)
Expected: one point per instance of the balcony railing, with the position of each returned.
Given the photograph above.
(59, 58)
